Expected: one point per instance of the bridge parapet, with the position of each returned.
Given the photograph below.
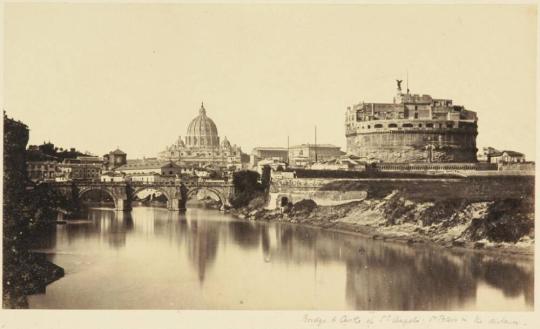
(301, 183)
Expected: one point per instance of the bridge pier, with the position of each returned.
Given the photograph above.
(122, 205)
(224, 205)
(176, 205)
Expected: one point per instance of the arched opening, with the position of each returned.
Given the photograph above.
(149, 197)
(283, 201)
(96, 198)
(204, 198)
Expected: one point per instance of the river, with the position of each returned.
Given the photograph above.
(204, 259)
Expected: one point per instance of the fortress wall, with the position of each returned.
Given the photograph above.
(410, 146)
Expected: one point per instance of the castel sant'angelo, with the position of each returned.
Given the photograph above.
(414, 128)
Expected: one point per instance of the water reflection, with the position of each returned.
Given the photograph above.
(240, 264)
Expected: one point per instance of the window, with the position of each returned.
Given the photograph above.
(415, 115)
(419, 125)
(449, 125)
(392, 125)
(368, 127)
(377, 125)
(407, 125)
(429, 125)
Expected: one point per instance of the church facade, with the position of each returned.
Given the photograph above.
(202, 147)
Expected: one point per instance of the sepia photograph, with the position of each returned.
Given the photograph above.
(269, 157)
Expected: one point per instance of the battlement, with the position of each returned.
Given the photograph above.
(410, 107)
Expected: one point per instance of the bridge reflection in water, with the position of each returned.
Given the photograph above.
(204, 259)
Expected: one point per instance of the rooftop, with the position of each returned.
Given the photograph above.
(112, 174)
(118, 152)
(316, 146)
(510, 153)
(145, 174)
(141, 164)
(270, 148)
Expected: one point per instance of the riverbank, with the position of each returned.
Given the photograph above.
(503, 226)
(35, 273)
(206, 203)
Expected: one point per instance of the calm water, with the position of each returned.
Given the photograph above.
(203, 259)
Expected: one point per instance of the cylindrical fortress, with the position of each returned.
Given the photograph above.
(412, 129)
(415, 144)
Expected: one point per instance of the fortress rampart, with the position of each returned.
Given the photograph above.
(414, 128)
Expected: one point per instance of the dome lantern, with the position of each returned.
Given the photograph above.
(202, 110)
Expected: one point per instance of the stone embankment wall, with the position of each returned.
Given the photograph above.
(294, 190)
(335, 191)
(518, 166)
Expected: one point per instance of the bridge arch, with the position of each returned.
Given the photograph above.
(172, 193)
(282, 200)
(85, 190)
(216, 192)
(157, 188)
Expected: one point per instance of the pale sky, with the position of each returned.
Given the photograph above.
(98, 76)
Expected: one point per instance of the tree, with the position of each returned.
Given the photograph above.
(47, 149)
(246, 187)
(246, 181)
(266, 174)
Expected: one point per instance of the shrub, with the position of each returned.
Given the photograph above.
(506, 221)
(303, 207)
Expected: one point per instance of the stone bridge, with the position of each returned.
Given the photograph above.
(122, 193)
